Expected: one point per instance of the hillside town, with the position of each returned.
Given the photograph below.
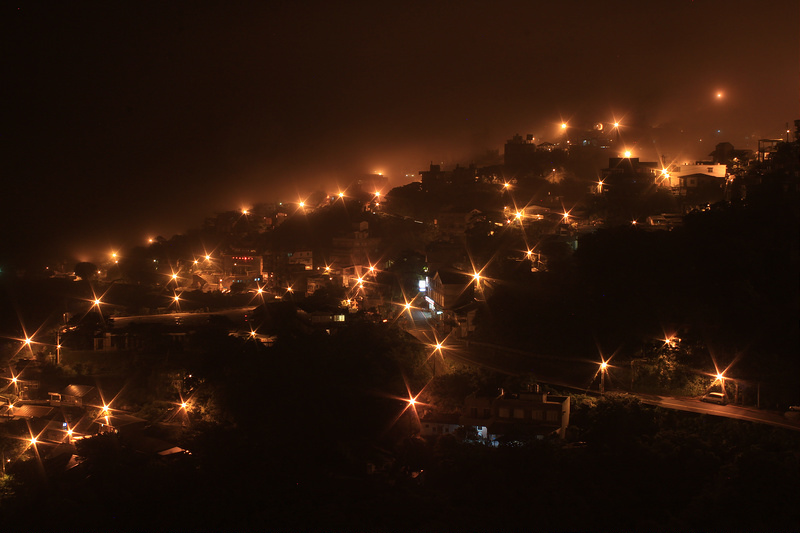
(497, 305)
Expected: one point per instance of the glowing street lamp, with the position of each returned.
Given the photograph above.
(603, 370)
(627, 154)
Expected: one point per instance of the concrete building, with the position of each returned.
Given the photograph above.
(530, 414)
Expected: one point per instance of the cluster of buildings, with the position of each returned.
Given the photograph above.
(502, 416)
(55, 425)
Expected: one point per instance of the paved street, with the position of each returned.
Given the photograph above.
(577, 375)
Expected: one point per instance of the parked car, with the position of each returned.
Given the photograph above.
(714, 397)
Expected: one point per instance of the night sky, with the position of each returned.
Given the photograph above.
(125, 120)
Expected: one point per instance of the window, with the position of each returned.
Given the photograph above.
(519, 413)
(504, 412)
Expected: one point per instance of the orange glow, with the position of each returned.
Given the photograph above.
(603, 366)
(563, 125)
(627, 153)
(208, 257)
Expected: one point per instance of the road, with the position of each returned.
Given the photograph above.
(751, 414)
(236, 316)
(582, 375)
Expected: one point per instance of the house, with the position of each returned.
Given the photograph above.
(530, 414)
(77, 396)
(451, 298)
(434, 425)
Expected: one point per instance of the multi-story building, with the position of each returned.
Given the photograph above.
(533, 414)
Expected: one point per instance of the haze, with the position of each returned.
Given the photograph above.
(128, 120)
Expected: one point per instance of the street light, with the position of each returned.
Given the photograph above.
(603, 370)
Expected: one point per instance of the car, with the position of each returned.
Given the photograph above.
(794, 407)
(714, 397)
